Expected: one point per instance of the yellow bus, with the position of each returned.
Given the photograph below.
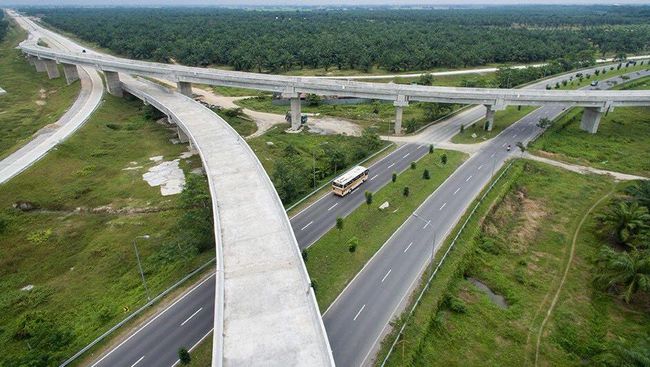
(349, 181)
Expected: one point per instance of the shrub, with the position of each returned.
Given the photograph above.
(394, 177)
(406, 191)
(425, 174)
(413, 165)
(184, 356)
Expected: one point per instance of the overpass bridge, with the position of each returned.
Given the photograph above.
(595, 102)
(265, 310)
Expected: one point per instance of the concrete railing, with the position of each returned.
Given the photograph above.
(382, 91)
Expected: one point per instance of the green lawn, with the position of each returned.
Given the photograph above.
(621, 143)
(331, 266)
(502, 119)
(520, 250)
(242, 124)
(202, 355)
(75, 248)
(32, 100)
(235, 91)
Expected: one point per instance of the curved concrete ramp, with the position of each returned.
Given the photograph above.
(265, 308)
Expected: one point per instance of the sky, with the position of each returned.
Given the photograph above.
(304, 2)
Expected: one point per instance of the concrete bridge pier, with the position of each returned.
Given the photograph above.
(294, 99)
(31, 59)
(71, 73)
(40, 65)
(182, 137)
(184, 88)
(489, 118)
(113, 83)
(399, 104)
(52, 69)
(591, 119)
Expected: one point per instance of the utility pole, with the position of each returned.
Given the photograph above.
(137, 255)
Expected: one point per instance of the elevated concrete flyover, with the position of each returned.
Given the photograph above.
(265, 309)
(290, 87)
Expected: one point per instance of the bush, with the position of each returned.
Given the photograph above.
(184, 356)
(393, 178)
(413, 165)
(443, 158)
(426, 175)
(406, 191)
(232, 112)
(352, 244)
(455, 304)
(430, 148)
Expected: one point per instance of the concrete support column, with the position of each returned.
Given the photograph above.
(296, 116)
(591, 119)
(113, 83)
(489, 118)
(182, 137)
(399, 104)
(71, 73)
(31, 59)
(184, 88)
(40, 65)
(52, 69)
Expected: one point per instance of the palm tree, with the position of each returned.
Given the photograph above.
(630, 270)
(641, 193)
(626, 219)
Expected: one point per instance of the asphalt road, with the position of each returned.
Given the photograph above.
(360, 317)
(357, 319)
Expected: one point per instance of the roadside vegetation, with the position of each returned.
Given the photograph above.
(243, 124)
(377, 40)
(621, 143)
(32, 100)
(289, 158)
(476, 133)
(68, 270)
(337, 256)
(488, 303)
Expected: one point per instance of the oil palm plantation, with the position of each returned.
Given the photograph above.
(628, 272)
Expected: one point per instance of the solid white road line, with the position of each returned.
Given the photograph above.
(385, 276)
(443, 205)
(408, 247)
(192, 315)
(456, 192)
(332, 207)
(406, 155)
(308, 224)
(392, 164)
(138, 361)
(468, 178)
(358, 313)
(373, 177)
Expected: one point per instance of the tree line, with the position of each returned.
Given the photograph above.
(394, 40)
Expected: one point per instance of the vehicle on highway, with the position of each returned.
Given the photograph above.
(594, 83)
(350, 180)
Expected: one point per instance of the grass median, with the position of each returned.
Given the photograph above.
(502, 119)
(330, 263)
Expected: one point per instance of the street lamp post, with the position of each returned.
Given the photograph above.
(137, 255)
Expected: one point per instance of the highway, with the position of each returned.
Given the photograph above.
(360, 317)
(89, 98)
(357, 320)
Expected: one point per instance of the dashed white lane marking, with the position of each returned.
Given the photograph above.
(308, 224)
(332, 207)
(373, 177)
(406, 155)
(359, 313)
(504, 144)
(514, 136)
(426, 224)
(479, 167)
(468, 178)
(492, 155)
(456, 192)
(392, 164)
(386, 276)
(420, 146)
(408, 247)
(443, 205)
(192, 315)
(138, 361)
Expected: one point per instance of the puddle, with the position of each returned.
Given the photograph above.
(497, 299)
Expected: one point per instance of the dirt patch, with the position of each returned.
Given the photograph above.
(330, 126)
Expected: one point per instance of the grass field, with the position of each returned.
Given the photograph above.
(519, 251)
(32, 100)
(502, 119)
(330, 264)
(243, 125)
(621, 143)
(75, 246)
